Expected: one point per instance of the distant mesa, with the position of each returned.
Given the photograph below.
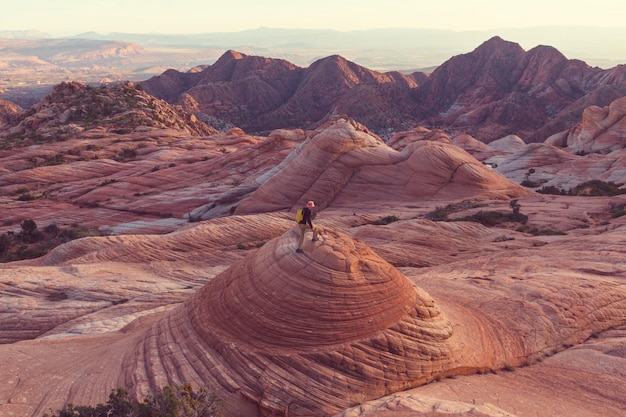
(302, 334)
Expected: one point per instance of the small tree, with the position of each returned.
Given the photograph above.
(517, 216)
(29, 233)
(5, 243)
(28, 226)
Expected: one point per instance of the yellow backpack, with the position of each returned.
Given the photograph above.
(299, 216)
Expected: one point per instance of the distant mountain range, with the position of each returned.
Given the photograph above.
(380, 49)
(496, 90)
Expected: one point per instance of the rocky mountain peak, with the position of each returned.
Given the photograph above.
(73, 108)
(8, 111)
(231, 55)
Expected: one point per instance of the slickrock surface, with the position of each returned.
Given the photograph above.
(318, 332)
(406, 317)
(595, 148)
(303, 334)
(343, 164)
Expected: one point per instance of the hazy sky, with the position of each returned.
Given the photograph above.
(201, 16)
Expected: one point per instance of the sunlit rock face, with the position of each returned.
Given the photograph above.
(344, 164)
(603, 129)
(303, 333)
(461, 300)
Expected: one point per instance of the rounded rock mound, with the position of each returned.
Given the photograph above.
(301, 333)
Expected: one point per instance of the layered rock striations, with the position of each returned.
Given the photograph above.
(302, 334)
(593, 149)
(277, 332)
(343, 164)
(602, 130)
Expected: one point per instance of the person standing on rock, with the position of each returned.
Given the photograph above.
(306, 224)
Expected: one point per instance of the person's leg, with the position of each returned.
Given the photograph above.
(301, 239)
(315, 233)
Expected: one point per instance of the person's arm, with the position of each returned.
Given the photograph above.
(308, 216)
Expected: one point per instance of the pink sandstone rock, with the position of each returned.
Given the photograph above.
(344, 165)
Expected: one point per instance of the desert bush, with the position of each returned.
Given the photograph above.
(29, 232)
(530, 184)
(440, 214)
(31, 242)
(26, 197)
(487, 218)
(536, 231)
(386, 220)
(28, 226)
(617, 210)
(180, 401)
(125, 154)
(551, 189)
(593, 188)
(108, 181)
(52, 229)
(5, 243)
(597, 188)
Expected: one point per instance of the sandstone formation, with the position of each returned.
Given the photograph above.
(389, 313)
(344, 165)
(135, 175)
(8, 110)
(593, 149)
(281, 333)
(602, 130)
(303, 334)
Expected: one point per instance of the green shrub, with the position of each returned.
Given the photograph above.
(5, 243)
(386, 220)
(551, 189)
(617, 210)
(535, 231)
(52, 229)
(180, 401)
(31, 242)
(593, 188)
(440, 214)
(487, 218)
(26, 197)
(494, 218)
(108, 181)
(597, 188)
(530, 184)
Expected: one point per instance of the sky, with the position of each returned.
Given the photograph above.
(67, 17)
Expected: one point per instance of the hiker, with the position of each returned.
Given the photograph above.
(305, 223)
